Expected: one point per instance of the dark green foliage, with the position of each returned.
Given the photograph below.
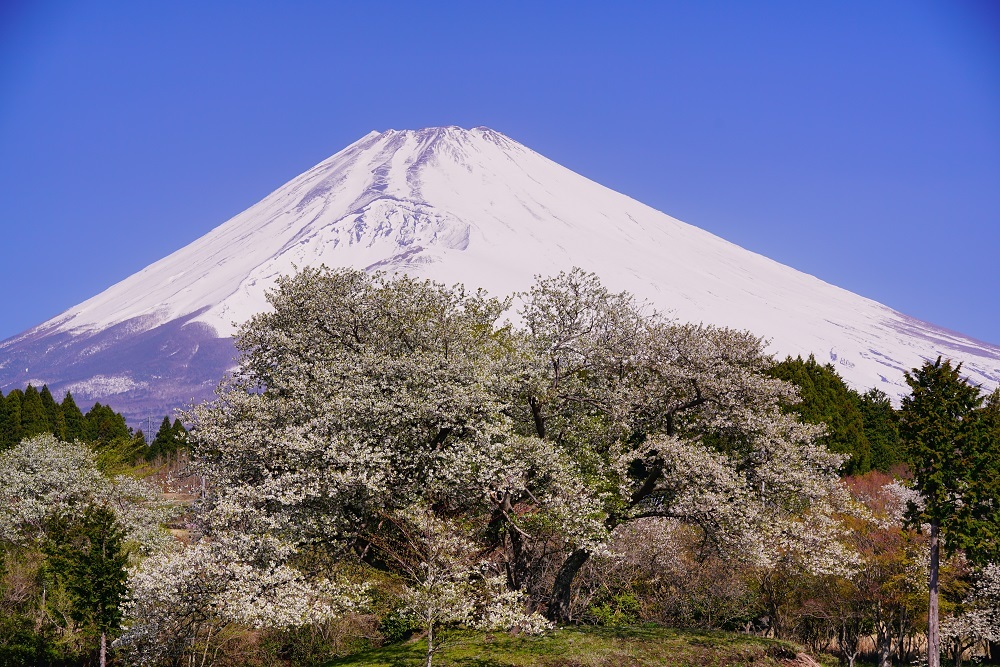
(881, 424)
(980, 514)
(170, 438)
(24, 414)
(34, 420)
(73, 418)
(180, 433)
(163, 439)
(53, 413)
(103, 425)
(88, 558)
(10, 420)
(21, 646)
(950, 439)
(826, 399)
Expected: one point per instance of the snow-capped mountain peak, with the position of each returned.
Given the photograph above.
(455, 205)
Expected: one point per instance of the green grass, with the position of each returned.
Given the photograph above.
(586, 647)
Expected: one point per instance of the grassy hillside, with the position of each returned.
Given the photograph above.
(591, 647)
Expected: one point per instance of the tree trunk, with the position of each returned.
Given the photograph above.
(933, 629)
(104, 649)
(559, 611)
(430, 643)
(883, 646)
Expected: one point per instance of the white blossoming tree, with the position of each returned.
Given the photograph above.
(357, 399)
(676, 421)
(180, 605)
(54, 500)
(43, 478)
(361, 397)
(978, 622)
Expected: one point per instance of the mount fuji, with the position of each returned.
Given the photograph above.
(454, 205)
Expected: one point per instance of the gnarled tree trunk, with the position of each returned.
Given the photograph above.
(559, 603)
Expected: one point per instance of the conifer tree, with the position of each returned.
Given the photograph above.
(826, 399)
(75, 427)
(881, 428)
(3, 420)
(950, 442)
(179, 432)
(10, 424)
(102, 424)
(57, 423)
(34, 420)
(163, 444)
(89, 557)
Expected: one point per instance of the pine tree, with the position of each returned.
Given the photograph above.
(163, 443)
(102, 425)
(881, 425)
(180, 433)
(34, 420)
(3, 420)
(75, 427)
(10, 424)
(951, 444)
(88, 556)
(57, 423)
(825, 398)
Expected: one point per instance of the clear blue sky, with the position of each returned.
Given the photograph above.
(856, 141)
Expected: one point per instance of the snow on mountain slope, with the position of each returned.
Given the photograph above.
(455, 205)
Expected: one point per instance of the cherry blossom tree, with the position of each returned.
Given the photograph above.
(675, 421)
(359, 397)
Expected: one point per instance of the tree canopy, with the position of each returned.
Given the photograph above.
(360, 397)
(952, 441)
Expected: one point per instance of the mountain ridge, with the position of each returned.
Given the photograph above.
(454, 205)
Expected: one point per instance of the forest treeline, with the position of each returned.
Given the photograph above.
(865, 427)
(393, 458)
(56, 590)
(26, 413)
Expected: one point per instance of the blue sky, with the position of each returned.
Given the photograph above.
(856, 141)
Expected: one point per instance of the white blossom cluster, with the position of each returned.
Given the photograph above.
(42, 478)
(718, 451)
(173, 597)
(447, 584)
(980, 619)
(361, 397)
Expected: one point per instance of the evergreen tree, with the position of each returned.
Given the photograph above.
(163, 443)
(88, 557)
(169, 439)
(881, 425)
(3, 420)
(102, 425)
(825, 398)
(950, 441)
(180, 433)
(57, 423)
(10, 423)
(34, 420)
(75, 426)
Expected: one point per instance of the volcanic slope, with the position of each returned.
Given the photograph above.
(455, 205)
